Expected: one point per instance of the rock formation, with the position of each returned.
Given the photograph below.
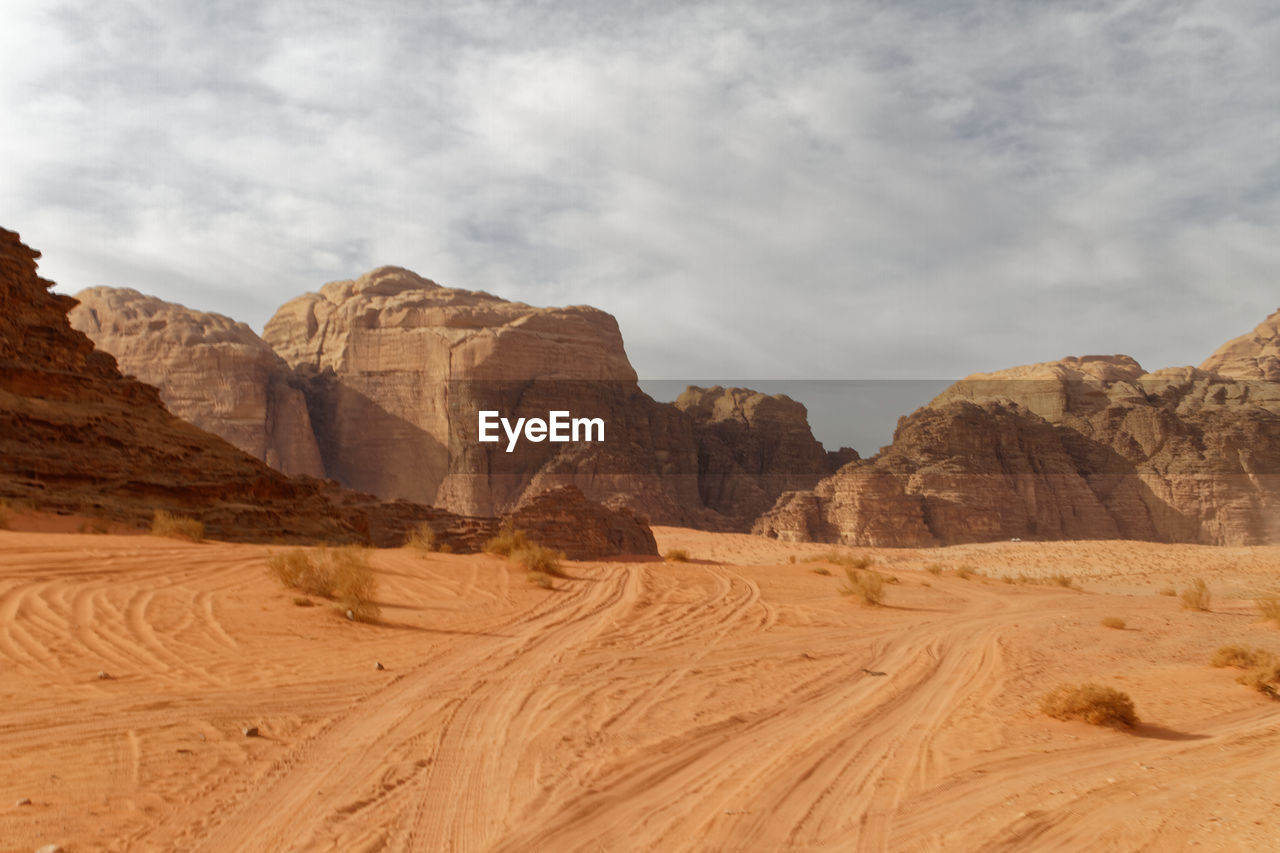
(1252, 356)
(581, 528)
(752, 447)
(211, 371)
(1092, 448)
(77, 435)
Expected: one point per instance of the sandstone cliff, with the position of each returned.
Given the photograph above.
(77, 435)
(211, 371)
(1092, 447)
(397, 368)
(752, 447)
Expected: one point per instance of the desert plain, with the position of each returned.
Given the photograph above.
(733, 702)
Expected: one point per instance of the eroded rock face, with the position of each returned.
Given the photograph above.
(399, 366)
(211, 371)
(1255, 355)
(1089, 448)
(77, 435)
(583, 529)
(752, 447)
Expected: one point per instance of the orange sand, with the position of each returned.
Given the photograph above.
(722, 704)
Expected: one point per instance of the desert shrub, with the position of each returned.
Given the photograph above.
(423, 538)
(341, 574)
(1061, 580)
(296, 570)
(1238, 657)
(1269, 607)
(303, 601)
(507, 541)
(1093, 703)
(1169, 591)
(535, 558)
(934, 568)
(866, 586)
(964, 573)
(791, 559)
(1113, 622)
(1196, 596)
(676, 555)
(176, 526)
(1261, 668)
(542, 579)
(841, 559)
(822, 570)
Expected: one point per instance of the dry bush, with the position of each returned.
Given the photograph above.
(341, 574)
(867, 586)
(821, 570)
(535, 558)
(964, 573)
(1269, 607)
(1237, 656)
(542, 579)
(1169, 591)
(1061, 580)
(1093, 703)
(1261, 668)
(1113, 622)
(506, 542)
(176, 526)
(1196, 596)
(303, 601)
(423, 538)
(791, 559)
(934, 568)
(676, 555)
(841, 559)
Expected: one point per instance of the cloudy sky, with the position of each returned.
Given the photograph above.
(812, 190)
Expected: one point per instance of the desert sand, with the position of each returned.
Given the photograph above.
(736, 702)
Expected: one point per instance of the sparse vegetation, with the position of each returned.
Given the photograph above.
(303, 601)
(176, 526)
(423, 538)
(1096, 704)
(1113, 622)
(341, 574)
(516, 547)
(840, 558)
(1269, 607)
(1169, 591)
(822, 570)
(1261, 668)
(676, 555)
(934, 568)
(507, 541)
(542, 579)
(1196, 596)
(867, 586)
(964, 573)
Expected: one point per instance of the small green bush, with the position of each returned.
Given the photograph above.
(1093, 703)
(176, 526)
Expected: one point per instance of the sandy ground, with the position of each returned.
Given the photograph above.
(733, 703)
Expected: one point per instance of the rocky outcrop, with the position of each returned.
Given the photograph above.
(752, 447)
(77, 435)
(581, 528)
(211, 371)
(1087, 448)
(1255, 355)
(398, 367)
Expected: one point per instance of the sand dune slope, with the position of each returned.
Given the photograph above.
(736, 702)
